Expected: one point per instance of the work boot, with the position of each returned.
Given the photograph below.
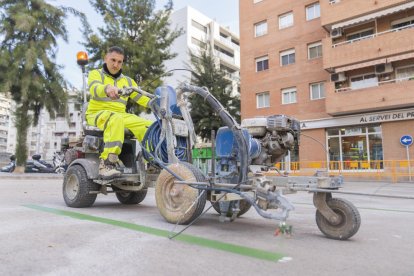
(107, 168)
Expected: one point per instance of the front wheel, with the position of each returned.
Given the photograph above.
(77, 188)
(244, 206)
(130, 198)
(348, 224)
(180, 203)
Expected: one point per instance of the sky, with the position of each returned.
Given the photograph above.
(225, 12)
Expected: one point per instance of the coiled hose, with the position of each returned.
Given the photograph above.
(158, 148)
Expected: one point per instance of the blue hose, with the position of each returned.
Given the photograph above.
(152, 140)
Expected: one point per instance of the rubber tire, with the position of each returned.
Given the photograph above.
(244, 207)
(60, 170)
(130, 198)
(82, 196)
(350, 220)
(176, 213)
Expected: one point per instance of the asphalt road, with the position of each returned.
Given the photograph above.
(39, 235)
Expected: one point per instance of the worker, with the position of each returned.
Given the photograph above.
(107, 110)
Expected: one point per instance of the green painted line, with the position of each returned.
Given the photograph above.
(366, 208)
(214, 244)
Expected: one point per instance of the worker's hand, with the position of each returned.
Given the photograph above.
(112, 92)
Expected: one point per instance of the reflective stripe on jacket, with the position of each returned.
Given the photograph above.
(98, 80)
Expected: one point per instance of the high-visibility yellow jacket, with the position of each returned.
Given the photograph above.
(98, 80)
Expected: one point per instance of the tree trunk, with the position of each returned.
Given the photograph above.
(22, 124)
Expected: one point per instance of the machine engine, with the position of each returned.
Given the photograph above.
(277, 134)
(268, 140)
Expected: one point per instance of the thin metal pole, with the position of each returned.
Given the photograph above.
(409, 164)
(83, 83)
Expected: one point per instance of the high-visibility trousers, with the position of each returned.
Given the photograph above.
(113, 124)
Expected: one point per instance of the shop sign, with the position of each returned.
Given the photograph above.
(361, 119)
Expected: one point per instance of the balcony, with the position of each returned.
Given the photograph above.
(389, 94)
(345, 9)
(377, 46)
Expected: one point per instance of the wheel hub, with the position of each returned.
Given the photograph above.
(72, 187)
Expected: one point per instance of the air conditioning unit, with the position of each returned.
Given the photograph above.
(337, 77)
(383, 68)
(336, 33)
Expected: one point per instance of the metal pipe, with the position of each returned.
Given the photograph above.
(348, 193)
(226, 185)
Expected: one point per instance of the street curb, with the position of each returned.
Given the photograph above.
(30, 176)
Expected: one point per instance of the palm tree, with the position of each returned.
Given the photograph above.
(29, 30)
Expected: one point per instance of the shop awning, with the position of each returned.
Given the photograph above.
(360, 65)
(374, 15)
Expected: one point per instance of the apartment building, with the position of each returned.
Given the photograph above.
(45, 138)
(5, 120)
(200, 32)
(343, 67)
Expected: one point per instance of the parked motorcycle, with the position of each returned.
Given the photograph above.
(59, 163)
(11, 166)
(38, 166)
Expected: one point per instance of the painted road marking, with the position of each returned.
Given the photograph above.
(214, 244)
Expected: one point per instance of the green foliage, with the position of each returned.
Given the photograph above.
(207, 74)
(143, 34)
(29, 30)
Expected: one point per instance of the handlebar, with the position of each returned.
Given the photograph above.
(126, 91)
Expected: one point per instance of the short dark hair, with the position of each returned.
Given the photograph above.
(116, 49)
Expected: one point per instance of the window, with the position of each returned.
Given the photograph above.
(260, 28)
(289, 95)
(199, 26)
(401, 23)
(262, 100)
(364, 81)
(404, 73)
(313, 11)
(315, 50)
(360, 35)
(317, 91)
(287, 57)
(199, 43)
(285, 20)
(356, 147)
(262, 63)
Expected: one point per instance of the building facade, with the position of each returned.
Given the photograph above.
(343, 67)
(45, 138)
(200, 32)
(5, 120)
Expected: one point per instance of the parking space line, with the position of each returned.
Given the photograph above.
(214, 244)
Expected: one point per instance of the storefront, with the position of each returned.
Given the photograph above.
(358, 143)
(355, 147)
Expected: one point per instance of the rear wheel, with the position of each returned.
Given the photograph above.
(179, 203)
(131, 197)
(244, 207)
(349, 220)
(77, 188)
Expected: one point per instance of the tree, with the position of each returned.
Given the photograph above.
(207, 74)
(144, 35)
(29, 30)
